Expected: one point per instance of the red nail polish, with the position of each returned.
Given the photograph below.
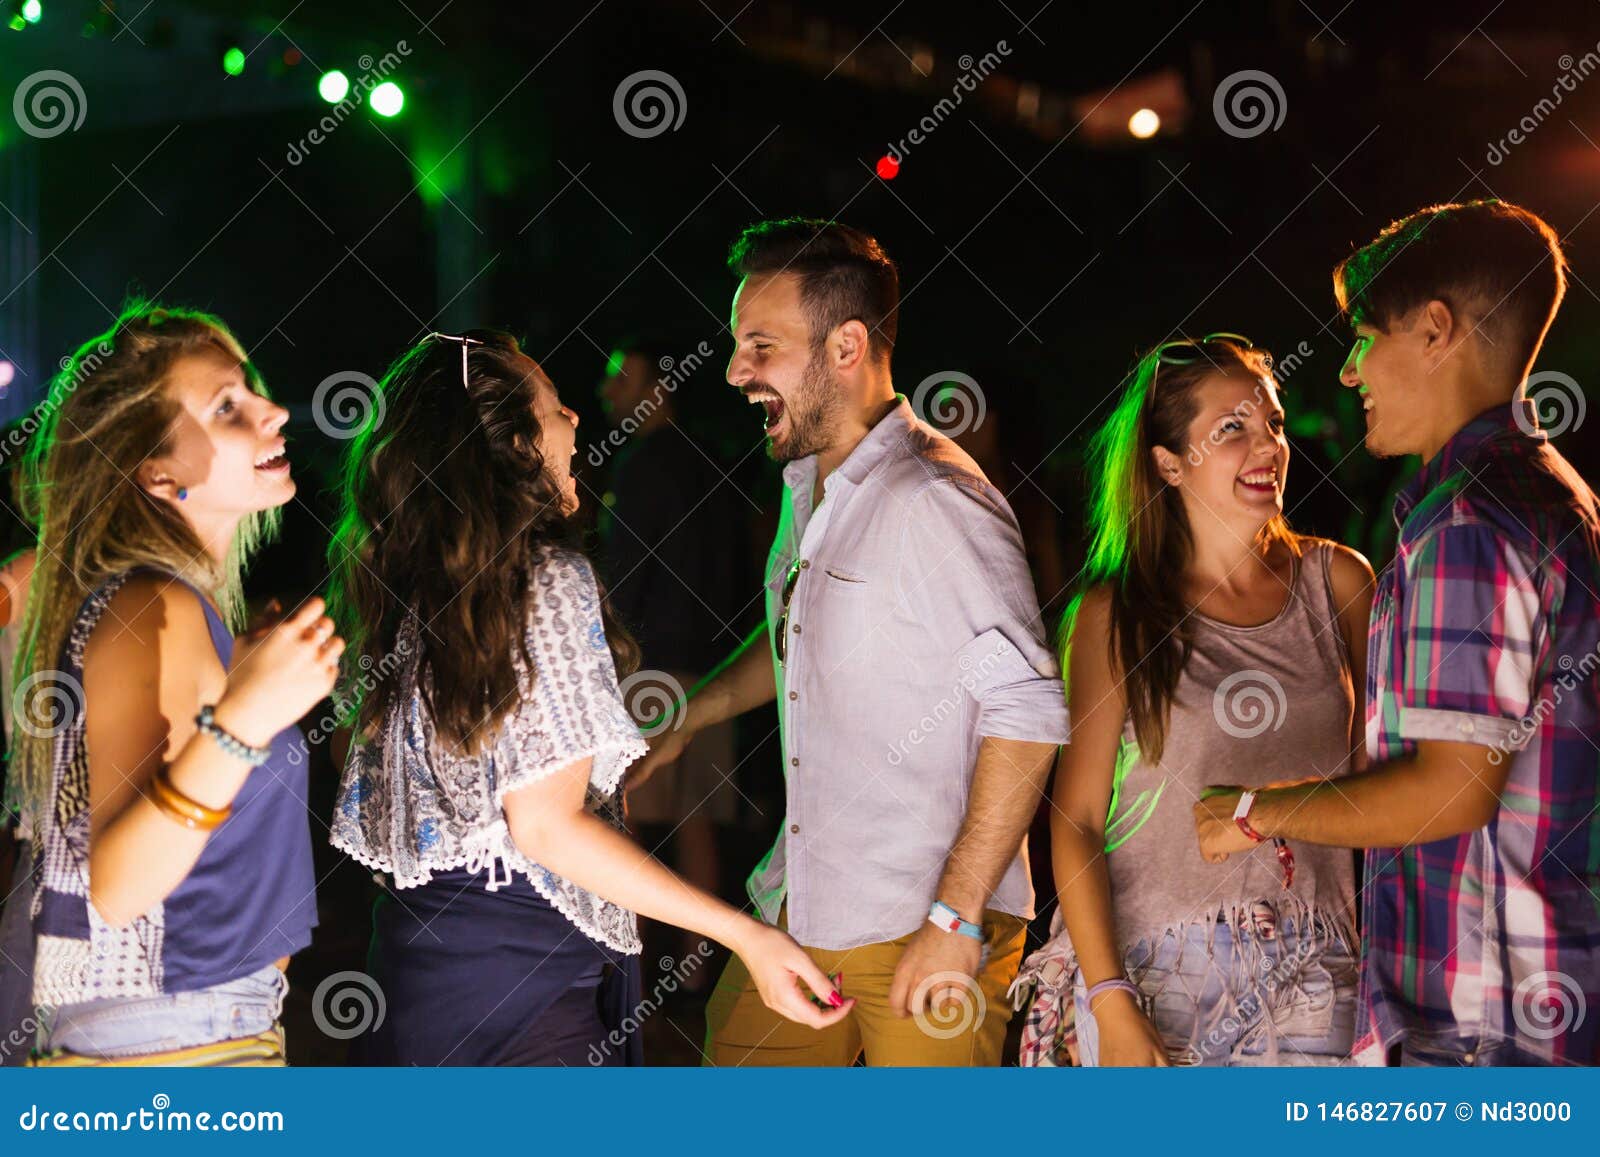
(835, 999)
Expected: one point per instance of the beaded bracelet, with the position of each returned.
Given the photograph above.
(254, 756)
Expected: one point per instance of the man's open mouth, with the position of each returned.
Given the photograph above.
(772, 404)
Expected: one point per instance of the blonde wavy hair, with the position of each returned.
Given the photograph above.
(106, 412)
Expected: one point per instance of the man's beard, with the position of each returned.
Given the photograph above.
(812, 413)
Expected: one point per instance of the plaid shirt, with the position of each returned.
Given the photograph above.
(1484, 948)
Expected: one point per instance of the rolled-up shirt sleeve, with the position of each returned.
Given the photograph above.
(1474, 638)
(963, 574)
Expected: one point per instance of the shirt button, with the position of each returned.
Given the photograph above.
(1470, 1057)
(797, 628)
(794, 829)
(794, 761)
(805, 564)
(1466, 727)
(794, 694)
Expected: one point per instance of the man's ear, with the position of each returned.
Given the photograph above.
(1167, 465)
(851, 343)
(1440, 329)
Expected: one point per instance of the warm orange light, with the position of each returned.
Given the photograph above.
(1145, 123)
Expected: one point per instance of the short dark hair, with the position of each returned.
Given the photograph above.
(654, 347)
(1492, 255)
(844, 274)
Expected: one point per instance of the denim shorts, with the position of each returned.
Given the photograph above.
(120, 1028)
(1244, 1000)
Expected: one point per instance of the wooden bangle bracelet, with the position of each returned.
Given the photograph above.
(190, 812)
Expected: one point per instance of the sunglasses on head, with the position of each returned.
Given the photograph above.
(1186, 351)
(463, 341)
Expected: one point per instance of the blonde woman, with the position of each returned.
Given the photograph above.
(173, 857)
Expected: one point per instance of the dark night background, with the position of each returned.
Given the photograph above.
(1040, 244)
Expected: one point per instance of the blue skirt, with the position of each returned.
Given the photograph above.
(473, 977)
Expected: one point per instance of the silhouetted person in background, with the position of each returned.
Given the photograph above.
(1013, 458)
(673, 540)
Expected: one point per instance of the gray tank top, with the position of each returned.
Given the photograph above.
(1255, 705)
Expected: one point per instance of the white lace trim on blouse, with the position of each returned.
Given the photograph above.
(410, 807)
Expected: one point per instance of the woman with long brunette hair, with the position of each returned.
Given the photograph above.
(491, 737)
(172, 851)
(1209, 644)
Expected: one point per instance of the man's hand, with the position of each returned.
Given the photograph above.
(665, 748)
(930, 971)
(1214, 825)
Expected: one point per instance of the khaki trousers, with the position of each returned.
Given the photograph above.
(741, 1030)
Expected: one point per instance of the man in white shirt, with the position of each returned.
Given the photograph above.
(920, 706)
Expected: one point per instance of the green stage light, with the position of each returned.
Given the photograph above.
(233, 61)
(387, 100)
(334, 86)
(32, 10)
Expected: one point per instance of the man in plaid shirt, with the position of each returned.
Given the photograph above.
(1481, 809)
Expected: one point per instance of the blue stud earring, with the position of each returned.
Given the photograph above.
(183, 492)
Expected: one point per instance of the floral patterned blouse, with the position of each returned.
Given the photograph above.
(409, 806)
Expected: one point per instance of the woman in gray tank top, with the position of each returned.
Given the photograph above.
(1210, 645)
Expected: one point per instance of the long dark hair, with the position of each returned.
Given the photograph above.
(446, 508)
(1140, 541)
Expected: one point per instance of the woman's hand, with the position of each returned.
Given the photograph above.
(779, 966)
(280, 674)
(1127, 1037)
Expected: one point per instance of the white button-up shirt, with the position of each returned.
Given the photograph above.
(913, 631)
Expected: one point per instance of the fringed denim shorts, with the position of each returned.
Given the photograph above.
(1261, 994)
